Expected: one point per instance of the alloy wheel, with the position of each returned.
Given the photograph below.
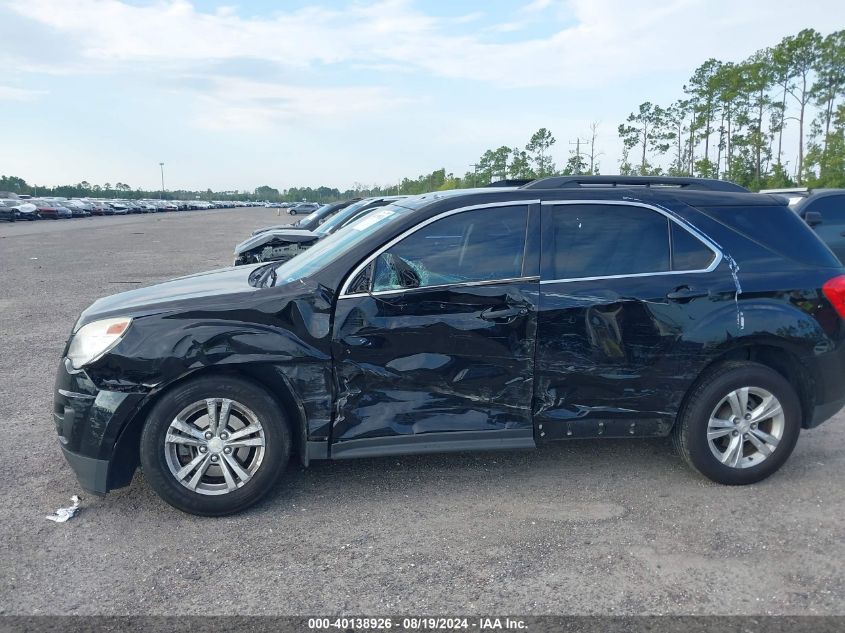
(214, 446)
(745, 427)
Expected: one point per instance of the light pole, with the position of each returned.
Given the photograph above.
(162, 179)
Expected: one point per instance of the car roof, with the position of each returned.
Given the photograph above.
(455, 198)
(815, 194)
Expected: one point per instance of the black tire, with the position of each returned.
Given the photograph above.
(276, 449)
(690, 431)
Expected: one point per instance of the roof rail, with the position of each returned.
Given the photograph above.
(566, 182)
(786, 190)
(510, 182)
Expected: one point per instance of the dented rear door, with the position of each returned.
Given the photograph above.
(626, 293)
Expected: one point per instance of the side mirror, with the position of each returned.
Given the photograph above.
(813, 218)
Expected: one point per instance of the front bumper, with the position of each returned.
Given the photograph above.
(96, 430)
(93, 474)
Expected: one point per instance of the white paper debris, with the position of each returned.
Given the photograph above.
(63, 514)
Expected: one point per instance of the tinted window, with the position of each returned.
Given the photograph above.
(832, 208)
(688, 253)
(598, 240)
(479, 245)
(777, 228)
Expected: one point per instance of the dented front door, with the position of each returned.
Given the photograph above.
(455, 357)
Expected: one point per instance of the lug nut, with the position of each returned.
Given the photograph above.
(734, 433)
(227, 450)
(754, 425)
(747, 416)
(203, 449)
(224, 436)
(214, 458)
(209, 435)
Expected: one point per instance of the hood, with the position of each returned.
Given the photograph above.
(203, 287)
(279, 227)
(286, 236)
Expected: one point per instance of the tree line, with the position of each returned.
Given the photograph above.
(729, 123)
(731, 119)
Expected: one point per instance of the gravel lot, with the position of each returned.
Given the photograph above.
(613, 527)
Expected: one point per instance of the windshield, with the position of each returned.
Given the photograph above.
(311, 217)
(337, 244)
(338, 219)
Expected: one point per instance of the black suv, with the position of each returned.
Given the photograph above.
(470, 320)
(311, 221)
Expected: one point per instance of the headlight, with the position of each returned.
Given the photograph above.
(95, 339)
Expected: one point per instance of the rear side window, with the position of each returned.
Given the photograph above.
(688, 252)
(598, 240)
(832, 208)
(777, 228)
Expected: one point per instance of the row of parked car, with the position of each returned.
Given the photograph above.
(28, 208)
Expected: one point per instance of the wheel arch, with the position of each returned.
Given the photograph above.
(777, 355)
(126, 458)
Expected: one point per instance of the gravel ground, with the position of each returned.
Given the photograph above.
(611, 527)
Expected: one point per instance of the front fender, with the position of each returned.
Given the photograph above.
(285, 347)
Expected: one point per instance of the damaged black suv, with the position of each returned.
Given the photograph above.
(470, 320)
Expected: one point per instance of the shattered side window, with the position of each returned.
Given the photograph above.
(472, 246)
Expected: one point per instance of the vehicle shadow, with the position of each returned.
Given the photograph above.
(577, 462)
(585, 464)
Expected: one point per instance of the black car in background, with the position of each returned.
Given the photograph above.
(280, 244)
(311, 221)
(8, 209)
(470, 320)
(822, 209)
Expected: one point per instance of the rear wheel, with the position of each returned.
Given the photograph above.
(215, 445)
(740, 423)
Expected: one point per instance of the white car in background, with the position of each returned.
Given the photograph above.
(120, 207)
(21, 209)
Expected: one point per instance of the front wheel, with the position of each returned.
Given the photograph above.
(740, 423)
(214, 446)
